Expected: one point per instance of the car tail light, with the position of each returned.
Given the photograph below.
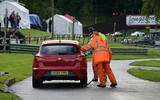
(80, 58)
(39, 59)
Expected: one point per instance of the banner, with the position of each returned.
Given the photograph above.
(132, 20)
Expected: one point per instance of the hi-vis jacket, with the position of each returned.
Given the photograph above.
(100, 50)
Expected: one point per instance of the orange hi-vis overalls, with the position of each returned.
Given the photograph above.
(110, 57)
(100, 58)
(95, 69)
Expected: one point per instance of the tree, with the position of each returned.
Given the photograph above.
(151, 7)
(83, 9)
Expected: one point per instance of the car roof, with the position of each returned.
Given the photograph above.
(60, 41)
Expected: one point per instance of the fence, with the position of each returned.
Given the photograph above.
(28, 48)
(142, 51)
(83, 39)
(20, 48)
(2, 45)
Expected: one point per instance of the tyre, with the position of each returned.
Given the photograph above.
(36, 83)
(83, 82)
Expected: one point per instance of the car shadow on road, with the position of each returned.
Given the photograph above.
(62, 86)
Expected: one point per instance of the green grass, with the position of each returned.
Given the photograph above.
(152, 53)
(145, 74)
(121, 45)
(19, 66)
(8, 96)
(147, 63)
(35, 33)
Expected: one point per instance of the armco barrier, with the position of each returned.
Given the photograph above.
(21, 48)
(142, 51)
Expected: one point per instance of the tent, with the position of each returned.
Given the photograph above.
(63, 25)
(14, 6)
(34, 21)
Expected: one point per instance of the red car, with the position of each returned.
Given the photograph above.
(59, 60)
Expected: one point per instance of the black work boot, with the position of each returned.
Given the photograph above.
(95, 80)
(113, 85)
(100, 85)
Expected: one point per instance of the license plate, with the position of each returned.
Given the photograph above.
(59, 73)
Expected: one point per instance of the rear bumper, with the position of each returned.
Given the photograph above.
(73, 73)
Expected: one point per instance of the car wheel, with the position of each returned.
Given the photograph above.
(36, 83)
(83, 82)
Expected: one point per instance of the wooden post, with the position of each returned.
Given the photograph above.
(29, 38)
(73, 29)
(52, 35)
(37, 39)
(5, 33)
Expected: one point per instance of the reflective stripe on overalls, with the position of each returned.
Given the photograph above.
(95, 71)
(90, 46)
(100, 47)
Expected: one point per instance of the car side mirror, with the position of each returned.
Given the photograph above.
(35, 52)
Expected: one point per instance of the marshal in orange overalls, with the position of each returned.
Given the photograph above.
(100, 58)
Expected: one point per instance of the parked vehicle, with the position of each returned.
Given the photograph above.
(59, 60)
(138, 34)
(127, 41)
(117, 34)
(145, 41)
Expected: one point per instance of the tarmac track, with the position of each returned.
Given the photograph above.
(129, 87)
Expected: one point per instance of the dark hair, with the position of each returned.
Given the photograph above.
(91, 29)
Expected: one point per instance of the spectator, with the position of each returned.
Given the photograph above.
(15, 33)
(44, 25)
(1, 33)
(0, 23)
(11, 18)
(6, 21)
(17, 20)
(50, 25)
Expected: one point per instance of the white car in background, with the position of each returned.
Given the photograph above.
(116, 34)
(137, 34)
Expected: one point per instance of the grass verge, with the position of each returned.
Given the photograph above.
(35, 33)
(150, 75)
(147, 63)
(19, 66)
(8, 96)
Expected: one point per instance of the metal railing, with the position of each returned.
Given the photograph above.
(30, 48)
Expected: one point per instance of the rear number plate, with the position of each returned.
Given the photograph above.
(59, 73)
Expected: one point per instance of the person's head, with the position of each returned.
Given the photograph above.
(17, 14)
(13, 12)
(91, 30)
(95, 34)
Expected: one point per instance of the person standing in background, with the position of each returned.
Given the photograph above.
(44, 25)
(0, 23)
(11, 18)
(17, 20)
(6, 24)
(50, 25)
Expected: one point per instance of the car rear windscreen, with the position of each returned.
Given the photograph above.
(59, 49)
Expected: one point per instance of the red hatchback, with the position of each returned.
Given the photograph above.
(59, 60)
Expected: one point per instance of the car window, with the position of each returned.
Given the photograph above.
(59, 49)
